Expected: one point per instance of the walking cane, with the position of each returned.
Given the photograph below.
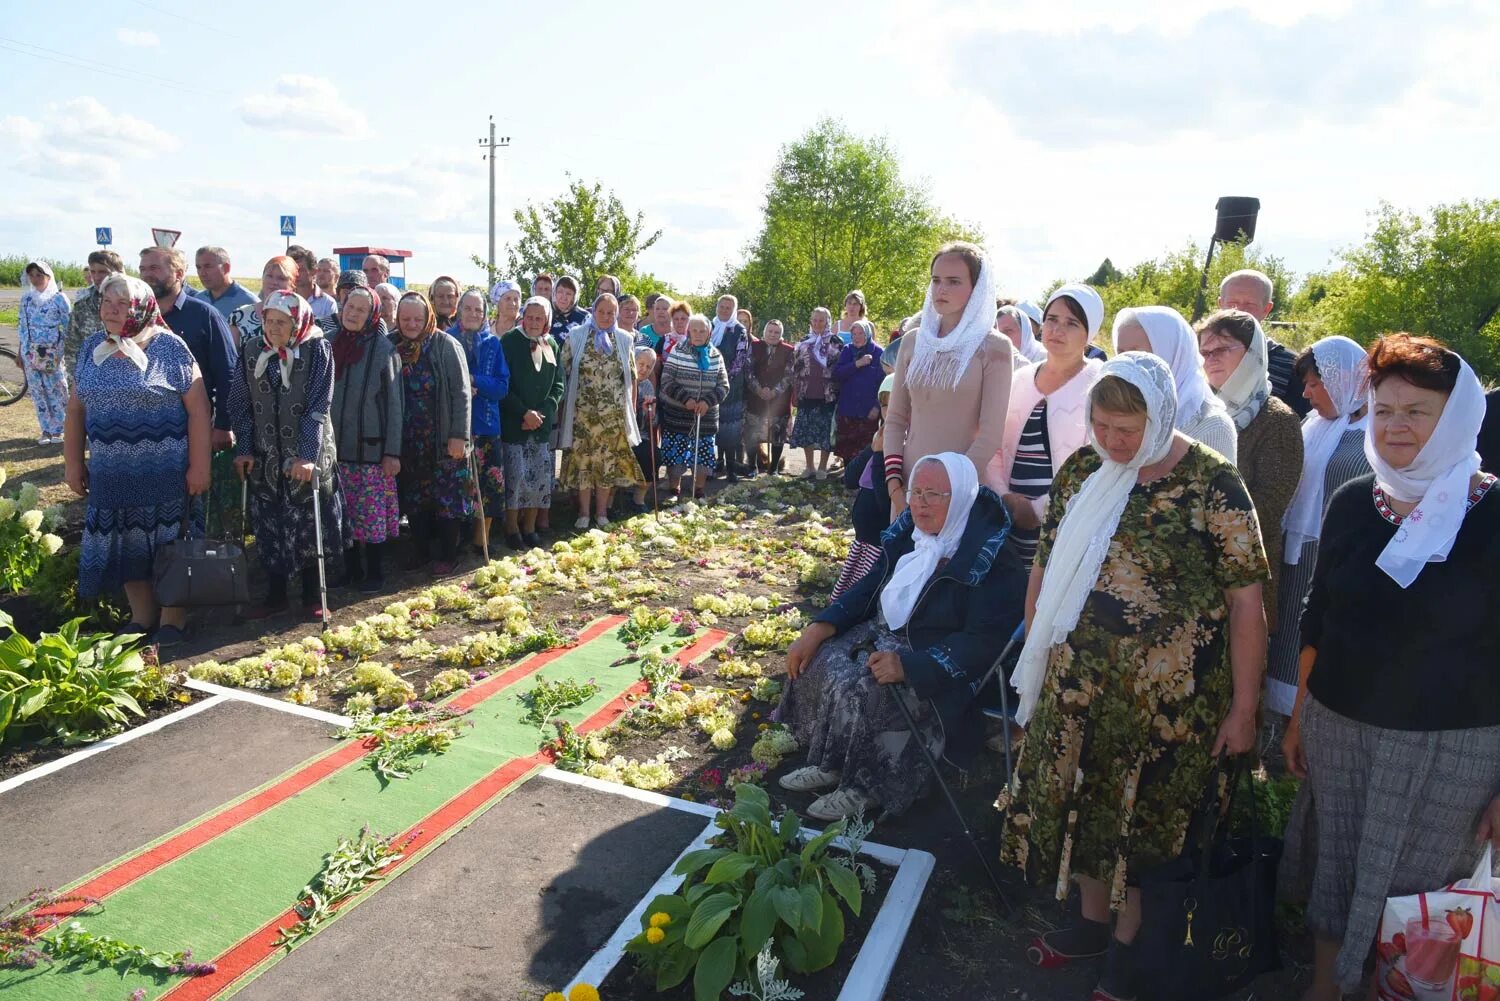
(651, 438)
(317, 498)
(484, 528)
(697, 444)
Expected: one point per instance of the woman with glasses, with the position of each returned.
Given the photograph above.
(920, 627)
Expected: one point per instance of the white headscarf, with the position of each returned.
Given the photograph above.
(1030, 348)
(1032, 312)
(719, 326)
(47, 292)
(1437, 481)
(498, 290)
(1087, 299)
(1172, 339)
(899, 596)
(1249, 386)
(941, 361)
(1343, 372)
(1089, 524)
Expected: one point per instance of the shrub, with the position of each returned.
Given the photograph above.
(26, 539)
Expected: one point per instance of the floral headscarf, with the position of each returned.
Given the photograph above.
(349, 346)
(410, 349)
(303, 330)
(143, 318)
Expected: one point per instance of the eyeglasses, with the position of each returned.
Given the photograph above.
(1214, 353)
(931, 496)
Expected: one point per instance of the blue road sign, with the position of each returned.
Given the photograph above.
(103, 236)
(288, 225)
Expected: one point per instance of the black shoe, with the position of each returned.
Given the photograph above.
(372, 585)
(533, 540)
(514, 541)
(169, 636)
(1119, 980)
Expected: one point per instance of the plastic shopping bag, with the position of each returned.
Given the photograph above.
(1443, 945)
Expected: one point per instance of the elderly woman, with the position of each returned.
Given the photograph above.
(443, 294)
(505, 296)
(694, 382)
(1397, 723)
(598, 422)
(629, 316)
(279, 402)
(813, 392)
(527, 416)
(768, 395)
(1046, 421)
(367, 420)
(490, 378)
(679, 313)
(436, 493)
(732, 340)
(279, 275)
(390, 298)
(43, 318)
(858, 375)
(1018, 328)
(1162, 331)
(1145, 641)
(953, 374)
(920, 626)
(1334, 379)
(1233, 346)
(141, 408)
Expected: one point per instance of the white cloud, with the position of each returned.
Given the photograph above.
(138, 39)
(308, 105)
(80, 139)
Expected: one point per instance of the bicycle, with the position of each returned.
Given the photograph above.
(12, 376)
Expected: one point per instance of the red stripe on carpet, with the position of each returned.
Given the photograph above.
(620, 706)
(175, 847)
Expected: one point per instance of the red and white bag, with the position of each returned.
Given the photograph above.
(1443, 945)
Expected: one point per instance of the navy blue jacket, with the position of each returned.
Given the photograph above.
(871, 510)
(564, 322)
(203, 328)
(1489, 434)
(490, 375)
(965, 615)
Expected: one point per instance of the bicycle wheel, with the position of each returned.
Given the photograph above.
(12, 377)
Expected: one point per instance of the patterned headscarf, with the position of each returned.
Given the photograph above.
(408, 348)
(349, 346)
(303, 330)
(504, 285)
(352, 279)
(541, 345)
(143, 318)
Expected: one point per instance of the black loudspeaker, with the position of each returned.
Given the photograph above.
(1236, 215)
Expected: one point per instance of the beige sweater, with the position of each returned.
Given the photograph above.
(925, 420)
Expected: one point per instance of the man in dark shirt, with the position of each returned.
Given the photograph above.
(200, 326)
(565, 312)
(1489, 434)
(1251, 291)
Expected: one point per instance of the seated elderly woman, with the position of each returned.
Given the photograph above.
(921, 626)
(1397, 724)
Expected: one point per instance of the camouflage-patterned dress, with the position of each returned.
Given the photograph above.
(1117, 754)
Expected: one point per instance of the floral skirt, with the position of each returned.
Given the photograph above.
(731, 423)
(813, 427)
(528, 475)
(286, 536)
(443, 487)
(854, 434)
(848, 722)
(489, 460)
(370, 505)
(765, 427)
(677, 450)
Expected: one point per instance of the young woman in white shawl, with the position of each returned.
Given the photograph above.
(1397, 725)
(1335, 380)
(953, 373)
(1162, 331)
(1144, 647)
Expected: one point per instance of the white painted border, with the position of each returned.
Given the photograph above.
(88, 751)
(240, 695)
(877, 954)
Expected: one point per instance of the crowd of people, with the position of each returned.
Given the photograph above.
(1195, 530)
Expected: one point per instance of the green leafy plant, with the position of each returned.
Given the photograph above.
(401, 735)
(26, 539)
(71, 688)
(548, 698)
(353, 865)
(759, 888)
(766, 984)
(55, 588)
(24, 942)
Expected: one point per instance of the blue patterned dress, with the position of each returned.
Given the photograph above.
(137, 427)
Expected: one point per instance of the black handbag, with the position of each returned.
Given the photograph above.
(1208, 918)
(197, 573)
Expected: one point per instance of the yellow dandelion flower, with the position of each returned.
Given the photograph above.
(554, 996)
(655, 935)
(584, 992)
(660, 919)
(764, 727)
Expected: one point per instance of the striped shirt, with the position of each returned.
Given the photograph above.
(1031, 474)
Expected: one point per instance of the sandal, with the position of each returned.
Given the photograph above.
(1084, 939)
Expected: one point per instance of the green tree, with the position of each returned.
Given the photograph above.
(1434, 275)
(839, 216)
(1106, 273)
(584, 232)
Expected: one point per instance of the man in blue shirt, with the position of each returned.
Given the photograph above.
(219, 290)
(200, 326)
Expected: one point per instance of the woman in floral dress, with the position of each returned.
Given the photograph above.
(43, 320)
(598, 422)
(1145, 645)
(437, 494)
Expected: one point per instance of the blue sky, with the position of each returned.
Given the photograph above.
(1067, 129)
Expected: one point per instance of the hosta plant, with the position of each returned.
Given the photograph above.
(761, 885)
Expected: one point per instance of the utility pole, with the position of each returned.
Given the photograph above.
(490, 145)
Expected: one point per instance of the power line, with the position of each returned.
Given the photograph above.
(120, 72)
(180, 17)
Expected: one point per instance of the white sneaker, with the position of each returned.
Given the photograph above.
(842, 802)
(808, 778)
(45, 439)
(601, 521)
(582, 524)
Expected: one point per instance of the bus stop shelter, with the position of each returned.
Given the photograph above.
(353, 259)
